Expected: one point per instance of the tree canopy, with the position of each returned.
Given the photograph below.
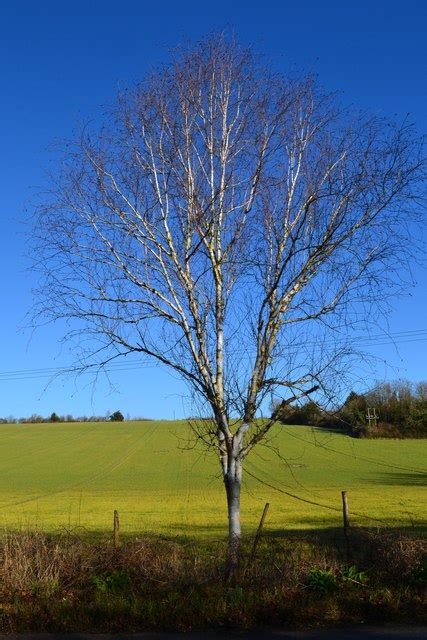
(233, 224)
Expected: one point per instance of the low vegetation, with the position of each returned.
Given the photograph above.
(63, 583)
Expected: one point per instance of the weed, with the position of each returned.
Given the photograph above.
(45, 588)
(321, 580)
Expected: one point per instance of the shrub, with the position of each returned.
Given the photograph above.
(117, 416)
(307, 413)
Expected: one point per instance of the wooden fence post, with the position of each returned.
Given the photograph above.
(116, 532)
(345, 513)
(346, 520)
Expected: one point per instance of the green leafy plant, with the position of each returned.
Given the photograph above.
(114, 582)
(322, 580)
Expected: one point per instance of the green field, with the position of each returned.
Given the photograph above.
(75, 475)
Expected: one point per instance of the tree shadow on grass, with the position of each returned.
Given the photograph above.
(205, 536)
(402, 479)
(310, 531)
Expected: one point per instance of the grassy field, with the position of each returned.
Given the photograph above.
(75, 475)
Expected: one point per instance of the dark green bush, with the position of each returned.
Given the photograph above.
(117, 416)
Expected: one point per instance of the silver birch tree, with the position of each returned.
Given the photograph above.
(223, 218)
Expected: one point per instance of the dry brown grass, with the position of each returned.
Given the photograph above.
(391, 555)
(71, 583)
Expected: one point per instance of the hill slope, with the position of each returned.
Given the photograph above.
(67, 475)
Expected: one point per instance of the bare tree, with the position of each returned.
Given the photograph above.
(221, 210)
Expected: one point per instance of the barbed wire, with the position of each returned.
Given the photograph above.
(312, 502)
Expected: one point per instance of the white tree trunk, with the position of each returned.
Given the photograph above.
(232, 481)
(233, 504)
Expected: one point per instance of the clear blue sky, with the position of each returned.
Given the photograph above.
(64, 61)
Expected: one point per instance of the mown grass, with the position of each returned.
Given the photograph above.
(55, 476)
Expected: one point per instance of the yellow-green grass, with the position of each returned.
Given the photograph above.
(57, 476)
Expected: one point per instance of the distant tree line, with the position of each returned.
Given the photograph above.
(35, 418)
(400, 407)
